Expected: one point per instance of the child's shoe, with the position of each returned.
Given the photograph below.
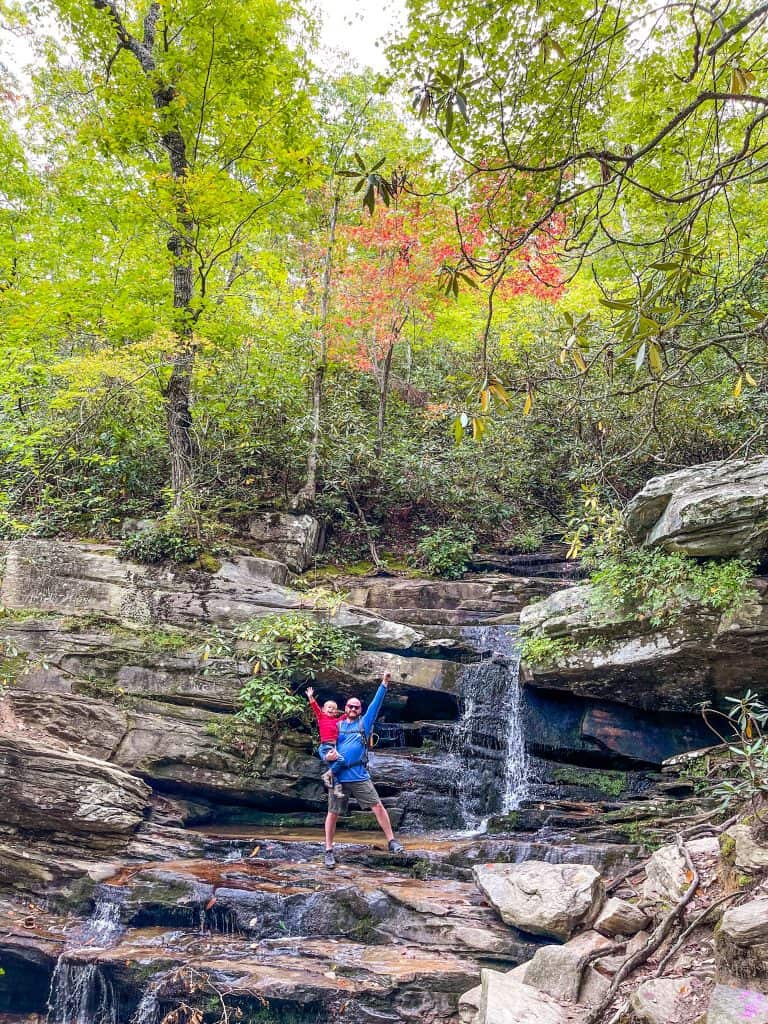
(338, 789)
(327, 778)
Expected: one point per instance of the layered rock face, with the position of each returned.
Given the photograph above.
(716, 510)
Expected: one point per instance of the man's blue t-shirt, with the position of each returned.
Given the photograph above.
(351, 744)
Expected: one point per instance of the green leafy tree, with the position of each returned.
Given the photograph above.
(195, 118)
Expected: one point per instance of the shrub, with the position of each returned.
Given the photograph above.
(446, 552)
(161, 544)
(281, 650)
(545, 650)
(743, 777)
(657, 586)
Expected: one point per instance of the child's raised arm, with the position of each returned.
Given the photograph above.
(312, 702)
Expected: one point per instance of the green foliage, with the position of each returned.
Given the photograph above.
(546, 650)
(164, 543)
(657, 586)
(282, 650)
(742, 779)
(446, 551)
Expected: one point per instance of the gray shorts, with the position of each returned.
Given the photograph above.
(364, 792)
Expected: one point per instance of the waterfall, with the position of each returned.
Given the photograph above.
(488, 744)
(103, 927)
(148, 1010)
(81, 994)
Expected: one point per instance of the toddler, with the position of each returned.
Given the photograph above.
(328, 717)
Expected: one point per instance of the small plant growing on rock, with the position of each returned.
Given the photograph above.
(744, 777)
(283, 651)
(446, 552)
(546, 650)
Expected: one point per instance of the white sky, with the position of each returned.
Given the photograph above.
(356, 26)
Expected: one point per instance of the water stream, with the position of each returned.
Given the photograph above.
(80, 993)
(488, 747)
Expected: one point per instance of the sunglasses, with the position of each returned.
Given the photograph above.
(353, 707)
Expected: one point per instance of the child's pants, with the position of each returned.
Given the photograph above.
(334, 766)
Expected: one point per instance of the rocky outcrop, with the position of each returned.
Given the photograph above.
(52, 791)
(613, 655)
(293, 539)
(79, 579)
(505, 1000)
(544, 899)
(715, 510)
(451, 602)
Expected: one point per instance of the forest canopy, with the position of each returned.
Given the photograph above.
(527, 262)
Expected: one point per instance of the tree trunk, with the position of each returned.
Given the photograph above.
(386, 366)
(181, 444)
(308, 492)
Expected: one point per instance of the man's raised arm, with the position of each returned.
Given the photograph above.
(374, 707)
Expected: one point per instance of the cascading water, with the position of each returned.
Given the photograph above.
(488, 745)
(81, 994)
(103, 927)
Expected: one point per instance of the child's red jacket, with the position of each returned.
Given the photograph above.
(327, 724)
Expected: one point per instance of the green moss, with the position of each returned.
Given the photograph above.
(609, 782)
(507, 823)
(744, 880)
(727, 848)
(207, 562)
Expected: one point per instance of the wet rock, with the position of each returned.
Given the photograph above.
(293, 539)
(661, 1001)
(619, 917)
(737, 1006)
(559, 971)
(714, 510)
(77, 578)
(505, 1000)
(541, 898)
(54, 791)
(666, 872)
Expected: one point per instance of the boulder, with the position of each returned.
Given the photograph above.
(619, 917)
(740, 848)
(741, 944)
(666, 872)
(469, 1005)
(615, 655)
(541, 898)
(293, 539)
(78, 578)
(746, 925)
(50, 790)
(714, 510)
(560, 972)
(737, 1006)
(661, 1001)
(504, 1000)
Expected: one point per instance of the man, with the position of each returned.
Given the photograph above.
(354, 778)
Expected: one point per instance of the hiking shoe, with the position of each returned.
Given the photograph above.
(395, 847)
(330, 860)
(327, 778)
(338, 790)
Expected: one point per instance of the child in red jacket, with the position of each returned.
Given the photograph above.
(328, 717)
